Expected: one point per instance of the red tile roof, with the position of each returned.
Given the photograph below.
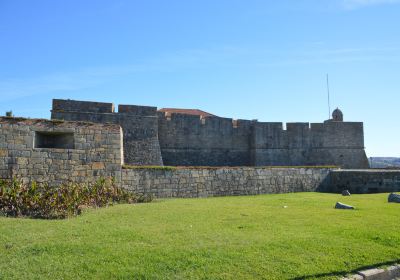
(194, 112)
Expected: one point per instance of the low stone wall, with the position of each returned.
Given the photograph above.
(364, 181)
(224, 181)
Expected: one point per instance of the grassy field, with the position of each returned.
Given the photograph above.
(253, 237)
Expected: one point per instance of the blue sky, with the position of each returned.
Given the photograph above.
(248, 59)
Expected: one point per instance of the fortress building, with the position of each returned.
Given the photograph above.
(182, 137)
(86, 141)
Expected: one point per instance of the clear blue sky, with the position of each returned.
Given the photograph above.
(246, 59)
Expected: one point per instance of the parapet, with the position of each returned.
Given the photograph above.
(297, 126)
(137, 110)
(82, 106)
(60, 105)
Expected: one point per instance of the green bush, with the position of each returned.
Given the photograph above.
(46, 202)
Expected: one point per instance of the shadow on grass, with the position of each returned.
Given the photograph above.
(344, 273)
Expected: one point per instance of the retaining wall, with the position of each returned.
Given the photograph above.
(364, 181)
(206, 182)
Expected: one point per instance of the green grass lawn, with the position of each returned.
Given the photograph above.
(251, 237)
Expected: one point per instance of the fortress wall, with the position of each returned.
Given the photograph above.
(342, 134)
(329, 143)
(344, 145)
(208, 182)
(268, 135)
(91, 151)
(152, 138)
(141, 145)
(82, 106)
(364, 181)
(187, 140)
(298, 135)
(137, 110)
(302, 135)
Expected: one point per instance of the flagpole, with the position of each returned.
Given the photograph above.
(329, 101)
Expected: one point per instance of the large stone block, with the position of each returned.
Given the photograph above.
(394, 198)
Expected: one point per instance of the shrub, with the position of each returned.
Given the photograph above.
(42, 201)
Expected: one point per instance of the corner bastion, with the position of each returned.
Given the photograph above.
(139, 125)
(56, 152)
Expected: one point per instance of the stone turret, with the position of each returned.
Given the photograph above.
(337, 115)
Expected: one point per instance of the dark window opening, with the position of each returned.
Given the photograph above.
(54, 140)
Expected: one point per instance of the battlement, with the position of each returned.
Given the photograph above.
(137, 110)
(211, 121)
(195, 137)
(61, 105)
(82, 106)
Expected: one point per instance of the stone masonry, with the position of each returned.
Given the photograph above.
(364, 181)
(154, 137)
(224, 181)
(55, 152)
(139, 125)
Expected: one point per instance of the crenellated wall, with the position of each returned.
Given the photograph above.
(213, 141)
(139, 124)
(191, 141)
(328, 143)
(154, 138)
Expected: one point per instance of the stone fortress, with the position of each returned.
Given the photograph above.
(214, 156)
(180, 137)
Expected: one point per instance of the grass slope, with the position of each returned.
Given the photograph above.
(252, 237)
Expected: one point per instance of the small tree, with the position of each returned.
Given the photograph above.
(9, 114)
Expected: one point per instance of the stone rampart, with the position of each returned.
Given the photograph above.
(364, 181)
(55, 152)
(213, 141)
(223, 181)
(187, 140)
(139, 124)
(156, 138)
(82, 106)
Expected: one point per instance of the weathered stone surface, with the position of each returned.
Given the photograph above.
(390, 273)
(374, 274)
(345, 193)
(340, 205)
(223, 181)
(154, 138)
(354, 277)
(22, 159)
(394, 198)
(98, 165)
(139, 124)
(364, 181)
(3, 152)
(393, 271)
